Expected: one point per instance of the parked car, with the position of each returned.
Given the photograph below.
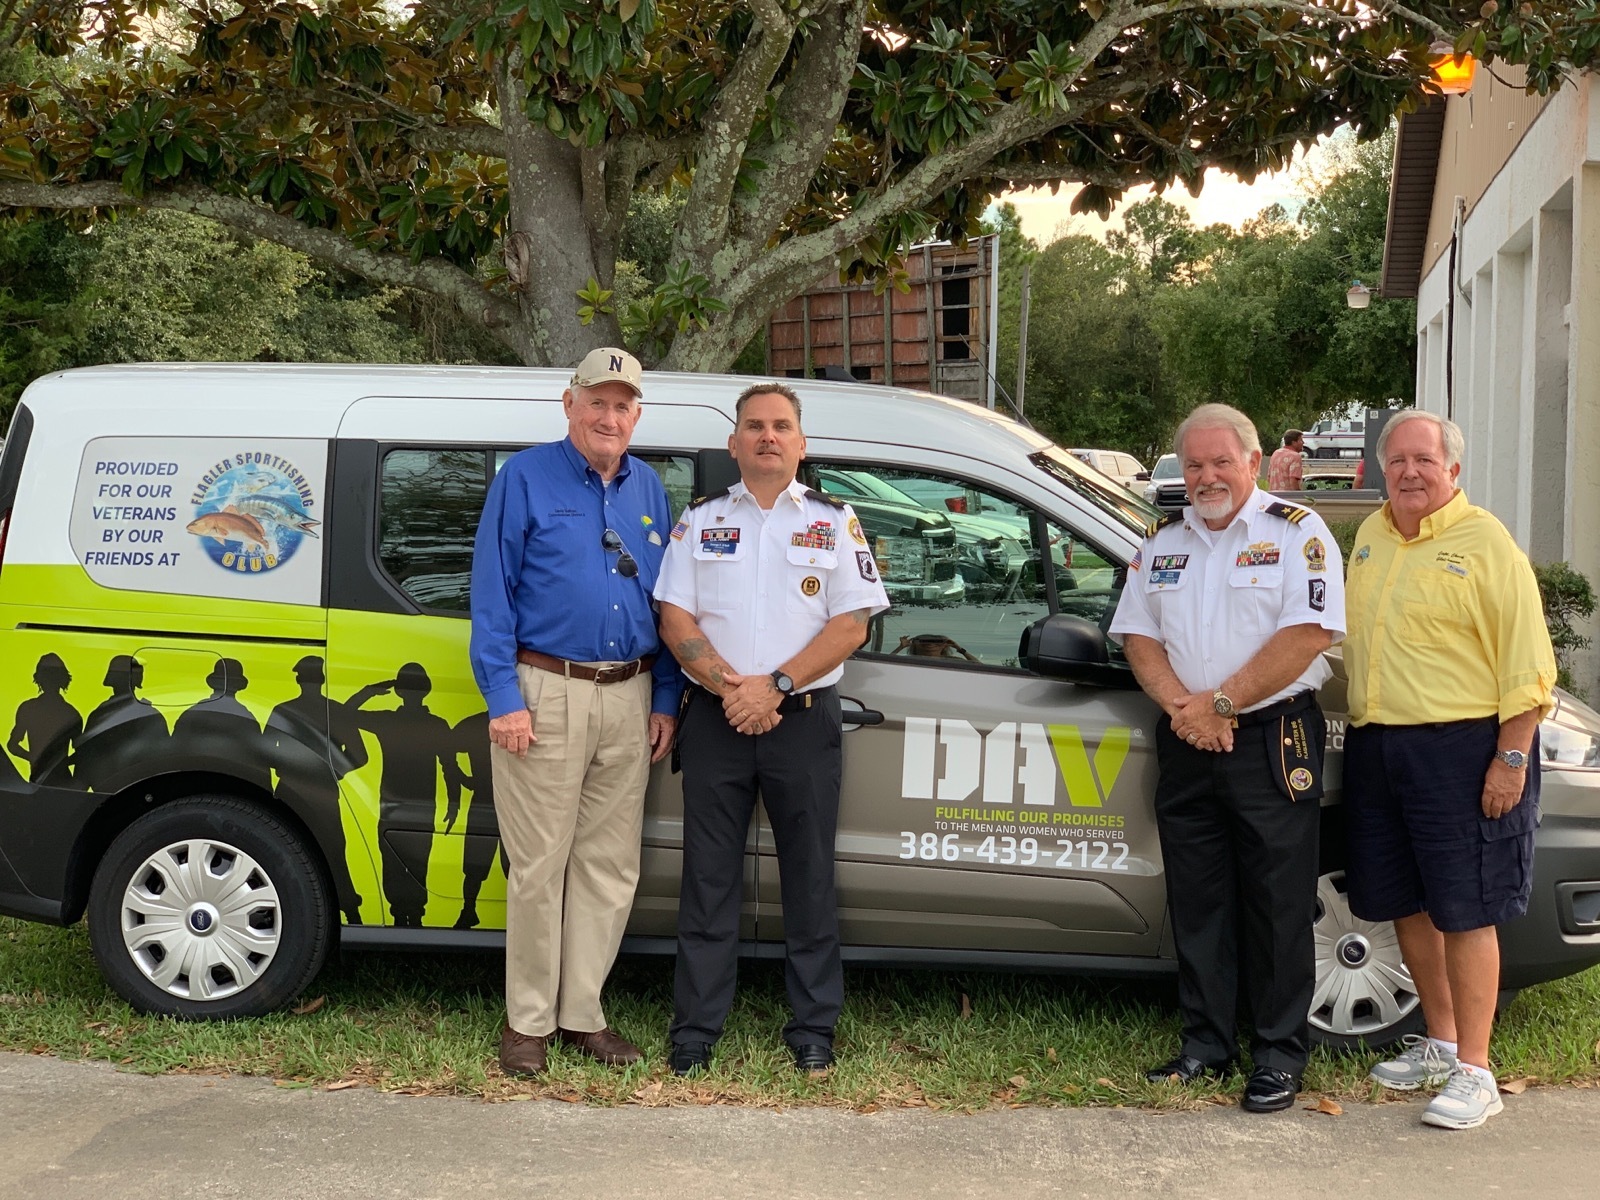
(991, 561)
(253, 735)
(1166, 488)
(1342, 437)
(1114, 464)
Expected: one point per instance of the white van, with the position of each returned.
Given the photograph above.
(242, 722)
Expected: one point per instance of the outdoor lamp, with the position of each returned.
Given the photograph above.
(1451, 76)
(1359, 295)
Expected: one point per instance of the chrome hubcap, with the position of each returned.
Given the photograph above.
(201, 919)
(1362, 984)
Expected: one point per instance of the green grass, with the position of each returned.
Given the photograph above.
(429, 1023)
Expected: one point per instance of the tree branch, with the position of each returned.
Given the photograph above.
(726, 131)
(813, 97)
(496, 314)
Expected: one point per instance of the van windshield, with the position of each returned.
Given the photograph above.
(1120, 503)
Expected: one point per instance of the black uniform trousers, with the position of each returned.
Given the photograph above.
(1241, 865)
(796, 767)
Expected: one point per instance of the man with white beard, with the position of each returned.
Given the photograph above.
(1225, 615)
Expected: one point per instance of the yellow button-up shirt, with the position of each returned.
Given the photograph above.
(1447, 626)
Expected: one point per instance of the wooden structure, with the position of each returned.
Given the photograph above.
(938, 336)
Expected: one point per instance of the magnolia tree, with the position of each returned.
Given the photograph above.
(487, 150)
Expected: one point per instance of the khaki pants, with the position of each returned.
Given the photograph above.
(571, 815)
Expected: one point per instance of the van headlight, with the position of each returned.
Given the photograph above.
(1570, 736)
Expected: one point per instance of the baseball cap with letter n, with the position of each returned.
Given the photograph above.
(609, 364)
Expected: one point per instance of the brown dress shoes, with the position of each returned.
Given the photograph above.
(606, 1045)
(522, 1054)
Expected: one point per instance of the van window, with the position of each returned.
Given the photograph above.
(429, 505)
(959, 563)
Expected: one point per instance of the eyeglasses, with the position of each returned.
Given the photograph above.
(612, 542)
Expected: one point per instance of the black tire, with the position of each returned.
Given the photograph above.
(1363, 998)
(255, 914)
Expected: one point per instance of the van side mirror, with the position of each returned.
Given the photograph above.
(1071, 648)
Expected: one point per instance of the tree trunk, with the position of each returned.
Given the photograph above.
(549, 255)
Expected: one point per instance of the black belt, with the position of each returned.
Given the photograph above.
(792, 703)
(1298, 702)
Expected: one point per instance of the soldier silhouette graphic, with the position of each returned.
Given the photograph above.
(416, 744)
(220, 727)
(47, 727)
(483, 831)
(313, 742)
(121, 734)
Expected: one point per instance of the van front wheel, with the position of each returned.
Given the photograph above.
(1364, 997)
(208, 908)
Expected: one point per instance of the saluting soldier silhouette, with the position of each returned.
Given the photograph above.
(47, 727)
(416, 745)
(314, 742)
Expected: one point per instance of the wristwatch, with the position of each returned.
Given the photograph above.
(782, 682)
(1222, 705)
(1515, 759)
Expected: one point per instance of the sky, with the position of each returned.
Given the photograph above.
(1223, 199)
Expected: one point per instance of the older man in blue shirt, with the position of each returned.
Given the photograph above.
(581, 698)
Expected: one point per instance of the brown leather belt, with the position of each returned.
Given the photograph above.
(572, 670)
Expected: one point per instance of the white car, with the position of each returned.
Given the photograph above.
(1114, 464)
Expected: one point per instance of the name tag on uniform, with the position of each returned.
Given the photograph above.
(720, 542)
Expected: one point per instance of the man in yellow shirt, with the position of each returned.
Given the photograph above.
(1451, 671)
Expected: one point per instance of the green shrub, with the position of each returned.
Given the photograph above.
(1568, 598)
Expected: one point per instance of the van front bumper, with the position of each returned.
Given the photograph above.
(1560, 935)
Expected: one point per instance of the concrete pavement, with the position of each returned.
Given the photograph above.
(73, 1131)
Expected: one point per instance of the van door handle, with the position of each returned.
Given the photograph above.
(861, 716)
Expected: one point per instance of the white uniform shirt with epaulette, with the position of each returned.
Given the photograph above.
(1213, 598)
(762, 584)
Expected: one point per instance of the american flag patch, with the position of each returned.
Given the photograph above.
(681, 528)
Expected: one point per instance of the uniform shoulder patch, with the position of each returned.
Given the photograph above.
(1291, 513)
(823, 498)
(1171, 518)
(699, 500)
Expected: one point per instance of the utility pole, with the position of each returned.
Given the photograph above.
(1022, 343)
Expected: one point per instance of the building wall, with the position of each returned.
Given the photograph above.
(1523, 377)
(1481, 131)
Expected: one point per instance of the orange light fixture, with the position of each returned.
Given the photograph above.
(1451, 75)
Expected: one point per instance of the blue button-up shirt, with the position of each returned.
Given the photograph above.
(542, 580)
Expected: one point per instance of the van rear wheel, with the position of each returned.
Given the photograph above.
(208, 908)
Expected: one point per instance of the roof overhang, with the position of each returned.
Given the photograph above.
(1416, 165)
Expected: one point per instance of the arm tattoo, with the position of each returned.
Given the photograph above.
(692, 648)
(861, 616)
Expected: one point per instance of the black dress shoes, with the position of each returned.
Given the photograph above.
(1184, 1069)
(1269, 1090)
(813, 1058)
(687, 1057)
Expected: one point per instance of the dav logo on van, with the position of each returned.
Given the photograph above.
(1011, 756)
(251, 512)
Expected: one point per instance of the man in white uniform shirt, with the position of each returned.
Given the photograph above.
(765, 590)
(1224, 619)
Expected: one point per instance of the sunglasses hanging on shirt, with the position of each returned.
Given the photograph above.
(612, 541)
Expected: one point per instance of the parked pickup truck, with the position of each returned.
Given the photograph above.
(1330, 496)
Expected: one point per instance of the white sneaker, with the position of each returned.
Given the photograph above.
(1467, 1101)
(1423, 1063)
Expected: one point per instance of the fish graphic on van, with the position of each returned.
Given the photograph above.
(269, 511)
(231, 525)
